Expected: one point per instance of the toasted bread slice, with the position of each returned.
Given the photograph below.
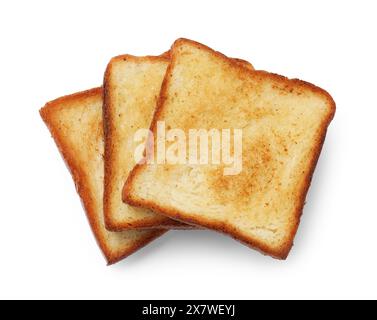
(283, 123)
(132, 86)
(75, 123)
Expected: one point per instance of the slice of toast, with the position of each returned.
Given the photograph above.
(132, 86)
(283, 124)
(75, 123)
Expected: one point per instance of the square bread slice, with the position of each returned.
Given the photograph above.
(131, 86)
(75, 122)
(283, 124)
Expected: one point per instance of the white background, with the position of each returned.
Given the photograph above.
(51, 48)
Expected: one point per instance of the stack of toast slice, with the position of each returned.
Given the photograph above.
(192, 87)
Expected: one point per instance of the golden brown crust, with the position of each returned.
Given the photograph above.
(243, 63)
(284, 250)
(112, 225)
(47, 114)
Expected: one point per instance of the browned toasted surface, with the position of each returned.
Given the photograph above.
(75, 122)
(284, 124)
